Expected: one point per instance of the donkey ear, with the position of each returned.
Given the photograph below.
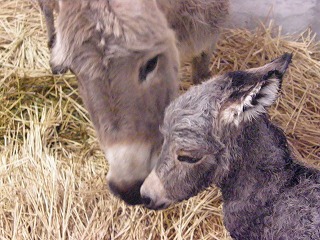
(253, 90)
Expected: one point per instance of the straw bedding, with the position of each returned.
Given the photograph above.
(52, 172)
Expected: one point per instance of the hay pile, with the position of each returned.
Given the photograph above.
(52, 172)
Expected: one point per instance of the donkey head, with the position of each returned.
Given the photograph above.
(197, 130)
(126, 62)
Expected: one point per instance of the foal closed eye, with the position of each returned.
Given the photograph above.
(148, 68)
(188, 159)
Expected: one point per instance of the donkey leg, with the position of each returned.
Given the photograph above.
(48, 13)
(201, 64)
(200, 67)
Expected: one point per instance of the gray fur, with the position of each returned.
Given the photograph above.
(267, 193)
(197, 25)
(106, 43)
(48, 7)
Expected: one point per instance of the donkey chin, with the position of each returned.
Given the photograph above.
(129, 165)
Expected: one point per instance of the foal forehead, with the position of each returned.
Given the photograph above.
(198, 100)
(188, 112)
(196, 108)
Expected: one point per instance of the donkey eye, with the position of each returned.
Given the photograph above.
(188, 159)
(148, 68)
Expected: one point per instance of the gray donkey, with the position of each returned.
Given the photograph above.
(196, 24)
(48, 7)
(219, 132)
(125, 56)
(126, 61)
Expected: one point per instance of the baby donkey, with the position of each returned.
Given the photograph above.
(219, 132)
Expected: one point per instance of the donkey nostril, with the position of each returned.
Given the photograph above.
(129, 194)
(161, 206)
(146, 200)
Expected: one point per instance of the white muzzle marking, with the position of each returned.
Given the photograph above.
(129, 162)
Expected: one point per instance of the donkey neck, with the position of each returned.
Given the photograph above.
(261, 170)
(261, 164)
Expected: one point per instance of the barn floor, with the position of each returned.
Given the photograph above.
(293, 15)
(52, 172)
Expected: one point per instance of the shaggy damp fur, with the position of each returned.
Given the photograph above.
(220, 125)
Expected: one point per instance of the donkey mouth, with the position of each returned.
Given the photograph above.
(130, 195)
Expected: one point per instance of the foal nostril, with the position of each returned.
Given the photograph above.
(161, 206)
(152, 204)
(146, 200)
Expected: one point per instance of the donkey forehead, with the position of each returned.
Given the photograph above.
(110, 23)
(132, 41)
(137, 28)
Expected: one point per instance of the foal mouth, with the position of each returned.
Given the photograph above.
(148, 203)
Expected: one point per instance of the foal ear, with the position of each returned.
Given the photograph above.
(253, 90)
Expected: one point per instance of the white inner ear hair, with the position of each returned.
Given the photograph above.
(270, 92)
(245, 110)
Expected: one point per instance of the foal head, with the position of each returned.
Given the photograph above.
(200, 127)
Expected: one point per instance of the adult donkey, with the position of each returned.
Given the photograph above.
(125, 56)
